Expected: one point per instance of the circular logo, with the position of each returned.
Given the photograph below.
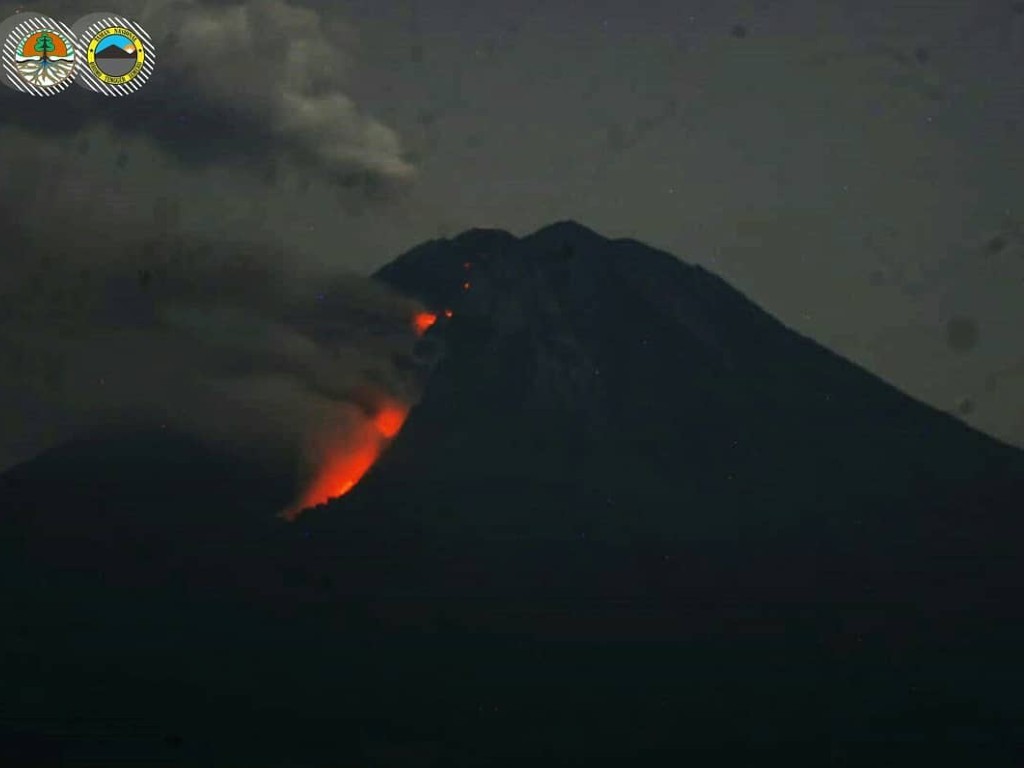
(117, 55)
(39, 54)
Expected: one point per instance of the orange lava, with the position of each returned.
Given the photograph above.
(465, 286)
(347, 463)
(422, 321)
(448, 313)
(389, 419)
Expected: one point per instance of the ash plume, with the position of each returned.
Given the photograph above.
(224, 341)
(265, 82)
(184, 258)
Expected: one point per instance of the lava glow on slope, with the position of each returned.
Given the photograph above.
(422, 321)
(351, 455)
(350, 458)
(389, 419)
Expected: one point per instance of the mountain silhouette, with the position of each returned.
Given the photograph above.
(633, 516)
(114, 52)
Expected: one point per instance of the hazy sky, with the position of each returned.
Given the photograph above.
(854, 168)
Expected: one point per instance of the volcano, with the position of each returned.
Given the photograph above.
(633, 516)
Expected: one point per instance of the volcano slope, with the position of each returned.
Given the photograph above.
(632, 517)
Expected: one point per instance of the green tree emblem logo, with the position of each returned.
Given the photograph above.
(47, 58)
(44, 45)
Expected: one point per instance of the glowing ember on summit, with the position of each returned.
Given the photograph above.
(351, 458)
(422, 321)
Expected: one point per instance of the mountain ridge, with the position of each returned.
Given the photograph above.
(479, 239)
(736, 327)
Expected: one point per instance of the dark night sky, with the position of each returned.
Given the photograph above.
(856, 170)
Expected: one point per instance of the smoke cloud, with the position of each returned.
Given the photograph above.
(217, 339)
(184, 256)
(263, 82)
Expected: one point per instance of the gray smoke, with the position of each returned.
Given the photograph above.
(224, 341)
(264, 81)
(182, 256)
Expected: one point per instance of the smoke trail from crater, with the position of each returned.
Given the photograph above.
(222, 341)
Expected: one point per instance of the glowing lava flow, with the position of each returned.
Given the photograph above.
(422, 321)
(389, 420)
(348, 460)
(345, 465)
